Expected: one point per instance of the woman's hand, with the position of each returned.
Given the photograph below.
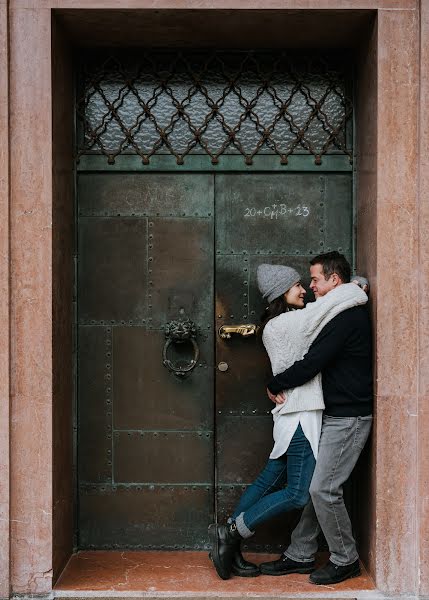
(277, 399)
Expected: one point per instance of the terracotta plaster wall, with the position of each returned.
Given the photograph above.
(397, 313)
(423, 278)
(4, 303)
(31, 300)
(62, 299)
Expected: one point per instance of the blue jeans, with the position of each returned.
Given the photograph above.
(282, 485)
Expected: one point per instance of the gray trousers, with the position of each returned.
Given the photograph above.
(341, 442)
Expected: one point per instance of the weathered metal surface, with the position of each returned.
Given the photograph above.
(243, 445)
(196, 162)
(145, 258)
(95, 404)
(112, 269)
(180, 266)
(241, 389)
(145, 517)
(163, 456)
(232, 288)
(146, 396)
(160, 194)
(256, 213)
(160, 423)
(338, 217)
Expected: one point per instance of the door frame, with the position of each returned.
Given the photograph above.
(391, 97)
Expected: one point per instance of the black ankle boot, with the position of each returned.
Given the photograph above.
(242, 567)
(225, 544)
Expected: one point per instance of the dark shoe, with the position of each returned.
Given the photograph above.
(331, 573)
(243, 568)
(225, 544)
(285, 565)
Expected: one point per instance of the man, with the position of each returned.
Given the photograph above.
(342, 352)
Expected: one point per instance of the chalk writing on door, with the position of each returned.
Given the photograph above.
(277, 210)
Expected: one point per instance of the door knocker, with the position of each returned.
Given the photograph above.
(180, 332)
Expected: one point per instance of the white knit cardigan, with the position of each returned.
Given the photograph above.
(288, 337)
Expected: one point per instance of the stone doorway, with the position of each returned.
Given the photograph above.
(361, 22)
(389, 38)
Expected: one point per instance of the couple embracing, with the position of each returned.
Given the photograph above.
(322, 389)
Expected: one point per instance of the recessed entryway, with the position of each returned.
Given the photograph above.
(98, 166)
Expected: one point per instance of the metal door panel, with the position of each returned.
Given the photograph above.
(165, 265)
(232, 287)
(137, 375)
(137, 273)
(112, 269)
(174, 517)
(163, 457)
(166, 194)
(338, 218)
(256, 213)
(304, 213)
(95, 413)
(243, 446)
(241, 389)
(181, 270)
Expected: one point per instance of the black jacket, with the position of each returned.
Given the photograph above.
(343, 353)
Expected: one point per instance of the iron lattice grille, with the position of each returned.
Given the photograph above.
(216, 103)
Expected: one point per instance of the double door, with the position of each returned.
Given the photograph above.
(174, 423)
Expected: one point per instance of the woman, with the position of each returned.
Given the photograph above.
(287, 335)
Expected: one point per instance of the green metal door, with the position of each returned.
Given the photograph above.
(279, 219)
(145, 437)
(172, 428)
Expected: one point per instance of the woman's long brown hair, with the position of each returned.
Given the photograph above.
(275, 308)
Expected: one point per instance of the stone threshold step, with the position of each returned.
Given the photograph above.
(156, 574)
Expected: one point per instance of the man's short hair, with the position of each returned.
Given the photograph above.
(333, 262)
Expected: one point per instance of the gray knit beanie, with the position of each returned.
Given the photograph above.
(275, 280)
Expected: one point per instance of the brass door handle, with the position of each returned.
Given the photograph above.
(245, 330)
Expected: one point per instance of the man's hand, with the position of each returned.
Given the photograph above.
(362, 282)
(277, 399)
